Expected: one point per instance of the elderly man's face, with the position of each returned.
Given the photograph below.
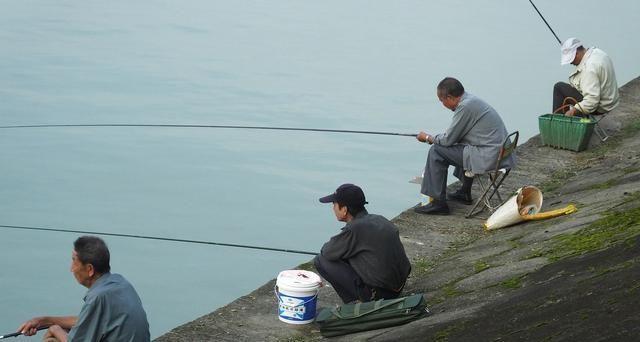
(448, 101)
(82, 272)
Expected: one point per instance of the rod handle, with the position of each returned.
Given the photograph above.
(16, 334)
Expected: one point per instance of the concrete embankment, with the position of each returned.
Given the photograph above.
(574, 278)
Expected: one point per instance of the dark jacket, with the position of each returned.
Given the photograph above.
(371, 245)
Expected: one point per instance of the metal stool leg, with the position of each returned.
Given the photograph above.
(601, 132)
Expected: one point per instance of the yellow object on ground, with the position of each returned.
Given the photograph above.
(524, 206)
(551, 214)
(526, 201)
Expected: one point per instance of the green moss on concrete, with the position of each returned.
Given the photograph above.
(632, 197)
(480, 266)
(540, 324)
(421, 266)
(300, 338)
(443, 335)
(513, 283)
(613, 228)
(631, 129)
(604, 185)
(584, 316)
(633, 288)
(436, 300)
(556, 180)
(515, 243)
(597, 272)
(446, 292)
(630, 242)
(535, 253)
(450, 291)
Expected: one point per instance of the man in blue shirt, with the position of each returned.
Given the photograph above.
(112, 310)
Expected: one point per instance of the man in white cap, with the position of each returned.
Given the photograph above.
(593, 83)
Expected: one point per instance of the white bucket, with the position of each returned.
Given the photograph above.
(527, 201)
(297, 293)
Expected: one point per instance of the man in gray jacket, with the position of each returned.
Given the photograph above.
(366, 260)
(471, 143)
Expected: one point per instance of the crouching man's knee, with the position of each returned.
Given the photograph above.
(318, 262)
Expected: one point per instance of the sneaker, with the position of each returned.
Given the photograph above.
(461, 197)
(433, 208)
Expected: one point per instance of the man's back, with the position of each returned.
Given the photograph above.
(486, 126)
(371, 244)
(478, 126)
(112, 312)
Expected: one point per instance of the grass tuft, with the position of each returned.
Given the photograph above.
(421, 266)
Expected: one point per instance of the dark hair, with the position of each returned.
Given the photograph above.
(92, 250)
(351, 210)
(450, 86)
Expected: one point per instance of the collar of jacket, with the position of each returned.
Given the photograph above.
(359, 215)
(583, 62)
(103, 278)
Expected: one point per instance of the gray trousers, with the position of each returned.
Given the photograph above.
(434, 181)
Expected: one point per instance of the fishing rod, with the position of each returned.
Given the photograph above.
(16, 334)
(212, 126)
(160, 238)
(545, 21)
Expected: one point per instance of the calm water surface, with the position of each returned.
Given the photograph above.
(328, 64)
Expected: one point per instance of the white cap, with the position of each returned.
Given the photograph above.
(568, 50)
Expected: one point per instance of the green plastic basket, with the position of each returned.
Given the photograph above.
(567, 132)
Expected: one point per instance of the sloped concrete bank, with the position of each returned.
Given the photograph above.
(573, 278)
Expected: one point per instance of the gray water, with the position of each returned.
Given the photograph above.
(330, 64)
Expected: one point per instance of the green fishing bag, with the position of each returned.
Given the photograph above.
(350, 318)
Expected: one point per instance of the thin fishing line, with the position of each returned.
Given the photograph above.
(213, 126)
(159, 238)
(545, 21)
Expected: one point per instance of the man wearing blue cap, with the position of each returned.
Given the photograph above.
(366, 260)
(593, 82)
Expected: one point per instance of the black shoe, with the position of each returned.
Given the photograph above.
(433, 208)
(461, 197)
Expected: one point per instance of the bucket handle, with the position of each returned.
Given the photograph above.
(566, 105)
(275, 290)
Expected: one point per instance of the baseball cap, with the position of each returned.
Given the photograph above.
(348, 194)
(568, 50)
